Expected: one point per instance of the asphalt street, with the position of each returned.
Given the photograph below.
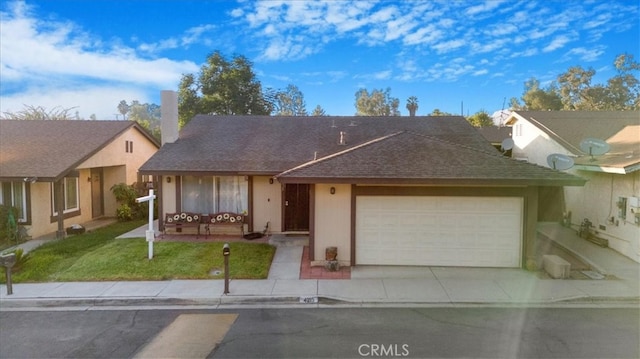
(323, 333)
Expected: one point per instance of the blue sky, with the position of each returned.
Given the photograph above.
(451, 55)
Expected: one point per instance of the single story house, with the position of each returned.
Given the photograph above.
(610, 198)
(383, 190)
(73, 160)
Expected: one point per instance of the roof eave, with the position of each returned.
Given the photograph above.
(204, 173)
(490, 182)
(608, 169)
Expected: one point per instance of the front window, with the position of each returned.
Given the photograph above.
(14, 194)
(215, 194)
(70, 195)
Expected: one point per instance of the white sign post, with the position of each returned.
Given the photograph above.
(149, 233)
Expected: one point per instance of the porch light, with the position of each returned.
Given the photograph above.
(332, 190)
(168, 179)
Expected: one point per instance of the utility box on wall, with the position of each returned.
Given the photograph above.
(622, 207)
(634, 208)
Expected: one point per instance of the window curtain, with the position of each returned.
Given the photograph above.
(197, 194)
(215, 194)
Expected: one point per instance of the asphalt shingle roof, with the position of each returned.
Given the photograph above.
(402, 149)
(270, 145)
(408, 157)
(50, 149)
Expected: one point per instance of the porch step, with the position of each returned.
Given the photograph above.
(283, 240)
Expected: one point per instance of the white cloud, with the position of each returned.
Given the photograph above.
(557, 43)
(57, 64)
(425, 35)
(448, 46)
(382, 75)
(86, 100)
(584, 54)
(35, 49)
(488, 5)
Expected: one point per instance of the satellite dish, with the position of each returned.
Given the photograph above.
(559, 161)
(594, 147)
(507, 144)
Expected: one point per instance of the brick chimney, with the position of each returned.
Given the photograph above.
(169, 116)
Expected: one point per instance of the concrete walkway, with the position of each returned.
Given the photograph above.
(369, 285)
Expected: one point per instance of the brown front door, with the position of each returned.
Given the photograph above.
(296, 207)
(97, 194)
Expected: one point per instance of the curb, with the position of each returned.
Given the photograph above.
(289, 301)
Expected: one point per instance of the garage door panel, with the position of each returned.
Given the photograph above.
(442, 231)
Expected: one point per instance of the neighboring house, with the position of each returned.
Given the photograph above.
(609, 199)
(496, 135)
(383, 190)
(82, 160)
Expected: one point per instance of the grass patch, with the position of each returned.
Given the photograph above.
(98, 256)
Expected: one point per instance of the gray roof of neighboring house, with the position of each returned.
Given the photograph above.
(620, 129)
(49, 149)
(398, 148)
(495, 134)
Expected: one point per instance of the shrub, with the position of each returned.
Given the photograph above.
(126, 196)
(8, 227)
(124, 212)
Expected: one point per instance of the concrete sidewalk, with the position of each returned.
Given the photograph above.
(369, 285)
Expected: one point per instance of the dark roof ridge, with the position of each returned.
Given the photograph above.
(340, 153)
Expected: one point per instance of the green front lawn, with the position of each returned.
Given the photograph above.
(98, 256)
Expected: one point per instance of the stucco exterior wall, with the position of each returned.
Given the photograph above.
(40, 209)
(110, 177)
(597, 201)
(115, 154)
(267, 204)
(119, 166)
(533, 145)
(332, 222)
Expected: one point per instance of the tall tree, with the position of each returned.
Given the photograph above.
(318, 111)
(39, 113)
(222, 87)
(412, 105)
(147, 115)
(290, 102)
(123, 108)
(573, 85)
(573, 90)
(376, 103)
(536, 98)
(480, 119)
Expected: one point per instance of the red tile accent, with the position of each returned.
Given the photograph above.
(309, 272)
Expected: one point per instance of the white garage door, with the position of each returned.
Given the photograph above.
(439, 231)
